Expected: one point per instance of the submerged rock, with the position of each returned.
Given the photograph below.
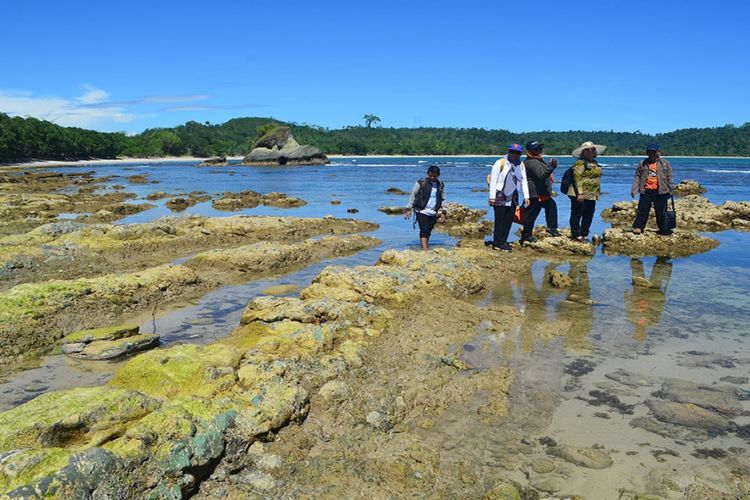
(630, 379)
(688, 415)
(392, 210)
(590, 458)
(721, 399)
(681, 243)
(395, 190)
(278, 147)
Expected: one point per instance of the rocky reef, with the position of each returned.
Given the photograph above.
(680, 244)
(34, 316)
(278, 147)
(693, 212)
(232, 201)
(170, 418)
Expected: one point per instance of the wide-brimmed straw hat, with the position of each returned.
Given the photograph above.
(586, 145)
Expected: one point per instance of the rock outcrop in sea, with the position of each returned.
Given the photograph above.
(693, 212)
(278, 147)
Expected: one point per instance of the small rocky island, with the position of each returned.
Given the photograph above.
(278, 147)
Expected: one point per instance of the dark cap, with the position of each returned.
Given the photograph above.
(534, 146)
(653, 147)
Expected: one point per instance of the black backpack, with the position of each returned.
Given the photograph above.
(568, 179)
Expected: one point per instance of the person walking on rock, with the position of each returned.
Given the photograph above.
(539, 177)
(427, 199)
(584, 189)
(655, 183)
(507, 179)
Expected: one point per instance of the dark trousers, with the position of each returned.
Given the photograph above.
(581, 215)
(659, 202)
(426, 223)
(532, 212)
(503, 221)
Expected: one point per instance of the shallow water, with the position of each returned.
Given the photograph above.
(694, 326)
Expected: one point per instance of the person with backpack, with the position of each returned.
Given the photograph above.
(539, 175)
(582, 184)
(655, 183)
(427, 199)
(507, 178)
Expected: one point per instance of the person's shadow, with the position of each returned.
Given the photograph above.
(578, 309)
(645, 303)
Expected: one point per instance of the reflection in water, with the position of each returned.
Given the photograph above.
(550, 311)
(645, 303)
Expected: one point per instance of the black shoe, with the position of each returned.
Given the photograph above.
(505, 247)
(488, 243)
(664, 233)
(528, 239)
(554, 232)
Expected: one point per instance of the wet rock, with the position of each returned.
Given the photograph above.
(392, 210)
(281, 200)
(660, 454)
(278, 147)
(352, 210)
(694, 212)
(688, 415)
(214, 161)
(179, 203)
(280, 290)
(699, 491)
(548, 244)
(335, 202)
(110, 349)
(735, 380)
(559, 279)
(704, 453)
(459, 214)
(674, 432)
(268, 256)
(590, 458)
(104, 333)
(138, 179)
(395, 190)
(159, 195)
(547, 484)
(681, 243)
(601, 398)
(230, 201)
(478, 229)
(399, 277)
(82, 415)
(688, 186)
(579, 367)
(455, 362)
(543, 466)
(721, 399)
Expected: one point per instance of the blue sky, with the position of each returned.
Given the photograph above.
(652, 66)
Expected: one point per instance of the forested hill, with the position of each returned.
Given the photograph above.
(29, 138)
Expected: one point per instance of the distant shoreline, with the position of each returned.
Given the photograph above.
(74, 163)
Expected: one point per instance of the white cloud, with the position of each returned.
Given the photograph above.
(67, 112)
(93, 95)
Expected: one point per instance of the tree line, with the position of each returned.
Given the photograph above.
(30, 138)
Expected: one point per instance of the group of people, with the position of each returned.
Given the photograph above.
(515, 182)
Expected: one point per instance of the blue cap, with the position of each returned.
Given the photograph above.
(515, 147)
(653, 147)
(534, 145)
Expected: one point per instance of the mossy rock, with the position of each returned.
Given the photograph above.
(104, 333)
(110, 349)
(183, 369)
(71, 419)
(20, 467)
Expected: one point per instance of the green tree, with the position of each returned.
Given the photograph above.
(370, 119)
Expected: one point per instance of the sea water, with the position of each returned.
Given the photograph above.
(694, 326)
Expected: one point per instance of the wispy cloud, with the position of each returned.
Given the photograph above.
(94, 108)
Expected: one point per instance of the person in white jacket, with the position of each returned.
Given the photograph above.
(507, 179)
